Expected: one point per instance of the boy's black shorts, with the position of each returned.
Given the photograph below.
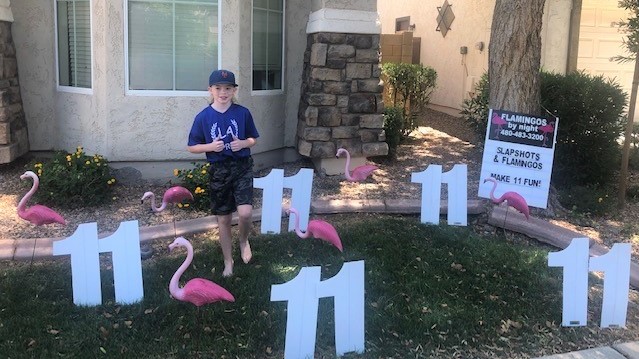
(230, 185)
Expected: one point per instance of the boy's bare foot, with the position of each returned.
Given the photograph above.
(228, 269)
(245, 251)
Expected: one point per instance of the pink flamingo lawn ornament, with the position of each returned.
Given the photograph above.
(546, 129)
(36, 214)
(360, 173)
(317, 229)
(513, 199)
(198, 291)
(500, 122)
(175, 194)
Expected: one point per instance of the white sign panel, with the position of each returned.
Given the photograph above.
(431, 180)
(273, 184)
(302, 294)
(85, 248)
(518, 153)
(576, 262)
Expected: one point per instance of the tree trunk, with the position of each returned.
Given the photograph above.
(514, 56)
(625, 154)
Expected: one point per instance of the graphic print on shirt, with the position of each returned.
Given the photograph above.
(231, 131)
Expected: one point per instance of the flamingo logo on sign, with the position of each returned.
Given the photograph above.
(546, 129)
(500, 122)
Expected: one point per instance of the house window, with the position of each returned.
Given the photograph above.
(172, 44)
(268, 40)
(73, 18)
(402, 24)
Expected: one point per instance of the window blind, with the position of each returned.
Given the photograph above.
(74, 43)
(268, 17)
(172, 44)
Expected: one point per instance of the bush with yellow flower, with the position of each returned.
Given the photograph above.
(196, 180)
(74, 180)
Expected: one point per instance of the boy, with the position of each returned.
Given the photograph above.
(225, 131)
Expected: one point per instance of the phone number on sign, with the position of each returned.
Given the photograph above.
(522, 134)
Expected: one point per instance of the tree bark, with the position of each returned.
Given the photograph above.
(514, 56)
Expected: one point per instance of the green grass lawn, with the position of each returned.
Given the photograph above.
(430, 291)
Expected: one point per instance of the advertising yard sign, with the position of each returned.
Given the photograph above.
(518, 153)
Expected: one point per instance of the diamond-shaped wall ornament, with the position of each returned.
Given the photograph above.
(445, 18)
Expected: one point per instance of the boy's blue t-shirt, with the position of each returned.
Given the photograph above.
(209, 124)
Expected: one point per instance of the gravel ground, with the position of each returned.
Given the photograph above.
(425, 146)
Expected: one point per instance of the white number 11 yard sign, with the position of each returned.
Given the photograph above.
(85, 248)
(303, 293)
(273, 184)
(431, 179)
(576, 264)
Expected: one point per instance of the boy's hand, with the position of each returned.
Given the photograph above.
(236, 144)
(217, 145)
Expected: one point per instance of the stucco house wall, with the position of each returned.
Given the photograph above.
(149, 132)
(457, 73)
(146, 130)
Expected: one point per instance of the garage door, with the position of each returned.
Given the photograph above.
(599, 40)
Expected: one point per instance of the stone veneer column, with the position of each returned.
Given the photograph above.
(341, 98)
(14, 139)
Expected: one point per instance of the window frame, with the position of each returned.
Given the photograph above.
(283, 76)
(400, 22)
(165, 93)
(67, 88)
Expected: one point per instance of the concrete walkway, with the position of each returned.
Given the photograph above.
(618, 351)
(42, 248)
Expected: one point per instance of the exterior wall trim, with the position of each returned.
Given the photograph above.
(5, 11)
(343, 21)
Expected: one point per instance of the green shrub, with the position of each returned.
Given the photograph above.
(393, 120)
(196, 180)
(590, 110)
(589, 199)
(74, 180)
(475, 110)
(591, 120)
(410, 87)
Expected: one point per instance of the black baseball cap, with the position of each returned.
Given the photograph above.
(222, 77)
